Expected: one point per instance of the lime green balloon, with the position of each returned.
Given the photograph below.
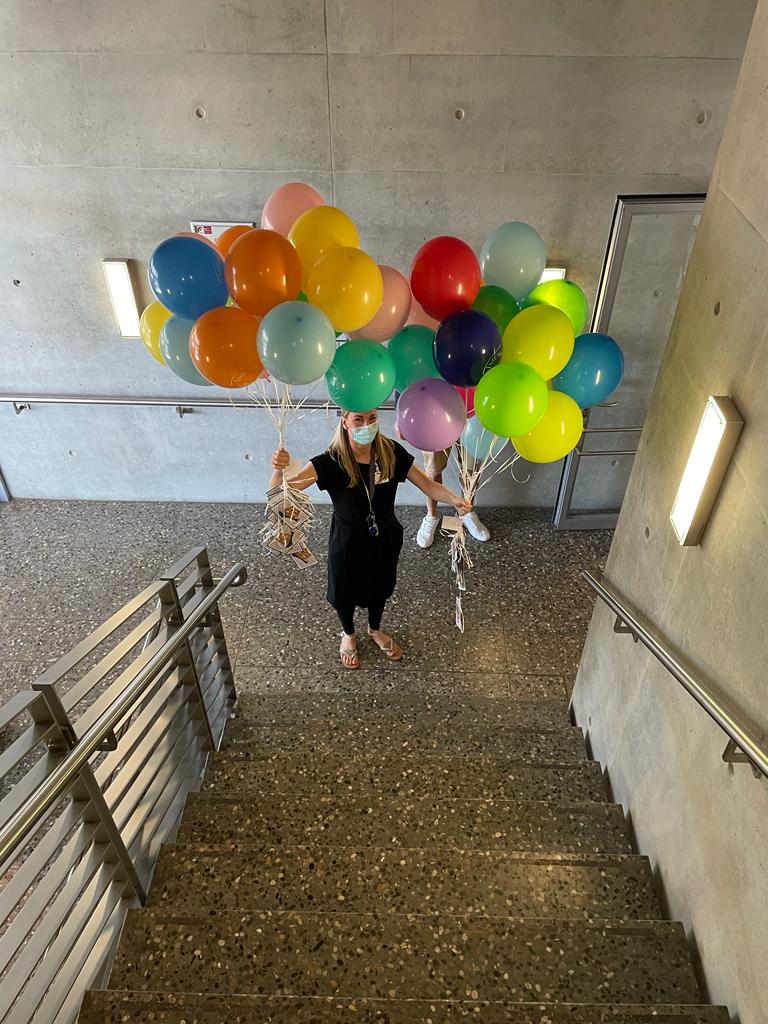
(511, 399)
(565, 295)
(362, 376)
(412, 350)
(496, 303)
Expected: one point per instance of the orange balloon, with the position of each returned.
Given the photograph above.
(229, 236)
(262, 270)
(222, 345)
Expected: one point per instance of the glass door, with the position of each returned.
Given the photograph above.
(645, 262)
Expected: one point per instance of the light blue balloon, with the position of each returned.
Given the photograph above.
(174, 344)
(594, 370)
(187, 276)
(478, 441)
(296, 342)
(513, 257)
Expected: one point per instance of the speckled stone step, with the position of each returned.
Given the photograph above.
(105, 1007)
(402, 775)
(396, 956)
(190, 879)
(364, 820)
(382, 733)
(287, 708)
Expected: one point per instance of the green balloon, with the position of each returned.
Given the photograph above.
(565, 295)
(412, 350)
(361, 377)
(496, 303)
(511, 399)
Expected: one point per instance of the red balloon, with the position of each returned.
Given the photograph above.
(445, 276)
(468, 398)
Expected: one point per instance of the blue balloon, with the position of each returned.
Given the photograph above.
(478, 441)
(174, 344)
(296, 342)
(594, 370)
(513, 257)
(187, 276)
(466, 344)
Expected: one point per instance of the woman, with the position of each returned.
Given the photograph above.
(361, 471)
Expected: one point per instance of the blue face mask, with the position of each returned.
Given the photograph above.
(364, 435)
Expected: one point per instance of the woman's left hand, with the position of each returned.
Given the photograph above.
(461, 505)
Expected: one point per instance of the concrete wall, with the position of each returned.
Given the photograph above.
(102, 156)
(704, 824)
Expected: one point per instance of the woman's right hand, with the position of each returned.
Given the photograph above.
(281, 459)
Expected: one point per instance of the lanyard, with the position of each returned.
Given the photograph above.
(373, 528)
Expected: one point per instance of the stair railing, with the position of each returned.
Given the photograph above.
(746, 743)
(96, 783)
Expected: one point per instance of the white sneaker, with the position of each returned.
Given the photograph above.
(478, 530)
(427, 531)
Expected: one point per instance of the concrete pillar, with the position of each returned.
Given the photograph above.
(704, 824)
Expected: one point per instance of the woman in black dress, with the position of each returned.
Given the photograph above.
(361, 471)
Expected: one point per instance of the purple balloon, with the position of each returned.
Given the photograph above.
(431, 414)
(466, 344)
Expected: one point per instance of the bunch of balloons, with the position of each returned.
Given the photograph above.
(463, 338)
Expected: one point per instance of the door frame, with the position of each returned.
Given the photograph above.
(625, 210)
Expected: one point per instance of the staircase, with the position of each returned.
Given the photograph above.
(417, 861)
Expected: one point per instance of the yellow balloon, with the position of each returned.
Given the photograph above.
(317, 232)
(542, 337)
(150, 325)
(556, 433)
(347, 285)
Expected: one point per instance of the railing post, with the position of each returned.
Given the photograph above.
(87, 790)
(174, 615)
(217, 626)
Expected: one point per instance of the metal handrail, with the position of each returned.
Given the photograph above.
(14, 833)
(742, 733)
(22, 402)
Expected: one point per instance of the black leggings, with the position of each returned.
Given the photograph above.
(347, 616)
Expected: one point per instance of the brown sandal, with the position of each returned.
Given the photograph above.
(392, 650)
(350, 657)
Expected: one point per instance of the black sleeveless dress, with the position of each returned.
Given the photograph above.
(362, 570)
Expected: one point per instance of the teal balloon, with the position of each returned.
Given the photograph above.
(174, 344)
(362, 376)
(412, 350)
(496, 303)
(296, 342)
(513, 257)
(478, 441)
(594, 370)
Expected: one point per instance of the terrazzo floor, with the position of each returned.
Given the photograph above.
(67, 565)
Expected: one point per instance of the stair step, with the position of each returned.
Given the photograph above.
(350, 735)
(288, 708)
(403, 957)
(117, 1007)
(370, 820)
(190, 879)
(402, 775)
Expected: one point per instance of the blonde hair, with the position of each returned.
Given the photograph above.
(341, 450)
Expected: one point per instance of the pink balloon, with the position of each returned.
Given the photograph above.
(418, 316)
(468, 398)
(200, 236)
(286, 205)
(393, 311)
(430, 414)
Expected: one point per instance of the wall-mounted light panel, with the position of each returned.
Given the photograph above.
(121, 294)
(553, 274)
(708, 461)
